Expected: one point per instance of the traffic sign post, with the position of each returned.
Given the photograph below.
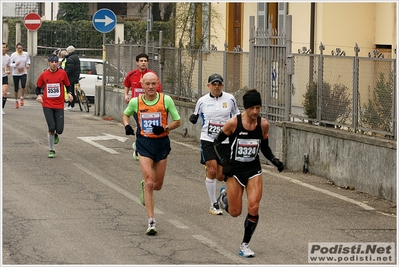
(104, 20)
(32, 22)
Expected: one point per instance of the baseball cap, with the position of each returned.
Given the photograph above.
(215, 78)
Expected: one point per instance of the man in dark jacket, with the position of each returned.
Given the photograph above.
(72, 68)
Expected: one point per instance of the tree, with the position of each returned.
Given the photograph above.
(73, 11)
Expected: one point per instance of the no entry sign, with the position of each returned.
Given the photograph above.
(32, 21)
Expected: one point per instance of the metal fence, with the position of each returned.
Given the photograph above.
(184, 72)
(348, 92)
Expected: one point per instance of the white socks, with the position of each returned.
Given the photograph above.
(50, 141)
(211, 187)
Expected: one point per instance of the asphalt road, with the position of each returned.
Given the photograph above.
(82, 207)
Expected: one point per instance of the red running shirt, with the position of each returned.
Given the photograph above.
(132, 80)
(53, 84)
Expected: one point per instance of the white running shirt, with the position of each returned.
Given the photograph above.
(6, 63)
(215, 111)
(23, 60)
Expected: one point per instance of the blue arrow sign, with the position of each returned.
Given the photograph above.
(104, 20)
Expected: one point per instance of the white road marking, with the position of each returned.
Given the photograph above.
(344, 198)
(220, 250)
(113, 186)
(178, 224)
(91, 139)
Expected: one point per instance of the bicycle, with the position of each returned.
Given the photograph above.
(81, 97)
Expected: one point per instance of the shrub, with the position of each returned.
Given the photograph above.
(378, 110)
(335, 102)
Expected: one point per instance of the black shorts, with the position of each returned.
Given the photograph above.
(208, 151)
(155, 148)
(243, 176)
(244, 171)
(5, 80)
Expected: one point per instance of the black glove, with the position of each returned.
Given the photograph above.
(227, 170)
(193, 118)
(276, 162)
(157, 129)
(129, 130)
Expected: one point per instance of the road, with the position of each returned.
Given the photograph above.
(82, 207)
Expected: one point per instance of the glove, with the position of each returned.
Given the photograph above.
(227, 170)
(276, 162)
(193, 118)
(129, 130)
(157, 129)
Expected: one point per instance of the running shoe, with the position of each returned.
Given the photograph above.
(215, 210)
(16, 105)
(142, 193)
(56, 138)
(245, 251)
(135, 155)
(21, 102)
(152, 228)
(222, 201)
(3, 111)
(51, 154)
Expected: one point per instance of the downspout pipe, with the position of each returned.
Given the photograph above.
(311, 41)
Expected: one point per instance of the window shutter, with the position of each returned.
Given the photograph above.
(262, 16)
(282, 12)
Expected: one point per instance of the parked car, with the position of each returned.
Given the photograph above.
(91, 70)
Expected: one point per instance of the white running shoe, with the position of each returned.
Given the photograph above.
(152, 228)
(215, 210)
(222, 201)
(245, 251)
(3, 112)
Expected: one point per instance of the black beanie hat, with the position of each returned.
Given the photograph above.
(252, 98)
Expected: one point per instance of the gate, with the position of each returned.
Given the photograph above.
(268, 58)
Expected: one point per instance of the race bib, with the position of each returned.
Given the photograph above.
(246, 149)
(138, 91)
(53, 90)
(149, 119)
(214, 127)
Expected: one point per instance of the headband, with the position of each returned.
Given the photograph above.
(251, 99)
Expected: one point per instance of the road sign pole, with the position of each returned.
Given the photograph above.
(103, 87)
(104, 20)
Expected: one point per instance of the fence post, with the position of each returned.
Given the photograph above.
(179, 89)
(355, 93)
(199, 72)
(320, 83)
(288, 75)
(394, 117)
(225, 64)
(160, 56)
(251, 68)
